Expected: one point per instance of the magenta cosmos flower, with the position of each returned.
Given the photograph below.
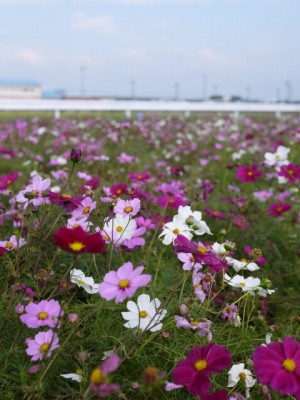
(121, 284)
(42, 345)
(277, 209)
(278, 365)
(100, 381)
(44, 313)
(291, 172)
(248, 174)
(194, 371)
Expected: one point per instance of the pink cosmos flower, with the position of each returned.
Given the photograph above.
(218, 395)
(13, 243)
(124, 158)
(240, 222)
(278, 365)
(42, 345)
(123, 283)
(136, 240)
(35, 193)
(87, 205)
(263, 195)
(230, 312)
(248, 174)
(100, 379)
(171, 201)
(127, 207)
(142, 222)
(189, 261)
(277, 209)
(194, 371)
(44, 313)
(73, 223)
(201, 328)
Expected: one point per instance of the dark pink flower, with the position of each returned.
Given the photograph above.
(215, 214)
(251, 255)
(78, 241)
(7, 180)
(170, 201)
(290, 171)
(218, 395)
(141, 176)
(194, 371)
(240, 222)
(248, 174)
(277, 209)
(278, 365)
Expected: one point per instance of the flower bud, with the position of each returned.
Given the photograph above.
(75, 155)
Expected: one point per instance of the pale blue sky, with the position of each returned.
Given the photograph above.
(235, 43)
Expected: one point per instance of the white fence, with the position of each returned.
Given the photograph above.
(129, 106)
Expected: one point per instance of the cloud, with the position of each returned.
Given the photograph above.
(102, 23)
(208, 54)
(133, 54)
(30, 57)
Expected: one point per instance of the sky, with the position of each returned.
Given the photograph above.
(183, 48)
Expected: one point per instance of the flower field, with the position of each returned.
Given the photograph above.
(151, 258)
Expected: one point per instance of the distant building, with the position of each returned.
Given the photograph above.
(20, 89)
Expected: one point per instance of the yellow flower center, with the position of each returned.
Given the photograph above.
(119, 191)
(119, 229)
(291, 171)
(76, 246)
(8, 182)
(124, 283)
(65, 195)
(200, 365)
(75, 226)
(42, 315)
(80, 282)
(35, 193)
(195, 323)
(9, 245)
(86, 210)
(128, 209)
(242, 376)
(97, 376)
(176, 231)
(289, 365)
(242, 284)
(44, 347)
(171, 201)
(250, 173)
(106, 237)
(243, 260)
(140, 176)
(201, 249)
(143, 314)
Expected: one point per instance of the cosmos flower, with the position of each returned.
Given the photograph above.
(277, 209)
(145, 314)
(42, 345)
(13, 243)
(118, 229)
(100, 378)
(290, 171)
(248, 174)
(201, 328)
(277, 365)
(280, 157)
(193, 372)
(127, 207)
(78, 241)
(36, 193)
(123, 283)
(44, 313)
(87, 283)
(238, 373)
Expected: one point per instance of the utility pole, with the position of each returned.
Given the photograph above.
(82, 76)
(248, 93)
(289, 91)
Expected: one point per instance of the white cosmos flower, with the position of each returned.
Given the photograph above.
(249, 284)
(243, 264)
(87, 283)
(238, 373)
(118, 229)
(219, 249)
(145, 314)
(280, 157)
(174, 228)
(193, 219)
(264, 292)
(73, 377)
